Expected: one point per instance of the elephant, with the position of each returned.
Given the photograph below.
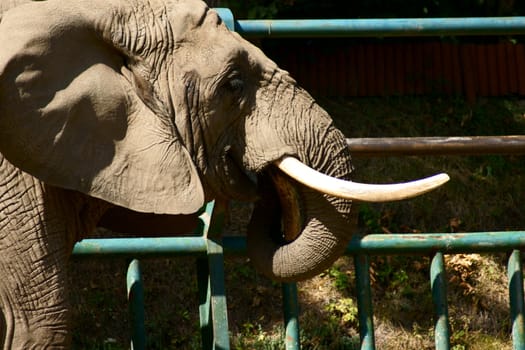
(154, 107)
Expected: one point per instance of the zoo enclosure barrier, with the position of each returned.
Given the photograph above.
(209, 250)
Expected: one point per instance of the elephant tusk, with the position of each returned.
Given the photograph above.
(357, 191)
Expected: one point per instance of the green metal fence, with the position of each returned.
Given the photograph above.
(210, 246)
(210, 254)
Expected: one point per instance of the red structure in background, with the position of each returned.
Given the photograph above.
(404, 68)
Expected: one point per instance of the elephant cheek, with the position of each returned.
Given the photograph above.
(227, 179)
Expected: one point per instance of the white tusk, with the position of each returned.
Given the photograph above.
(357, 191)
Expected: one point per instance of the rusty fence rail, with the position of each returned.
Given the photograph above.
(209, 252)
(425, 146)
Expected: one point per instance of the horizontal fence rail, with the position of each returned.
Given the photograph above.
(422, 146)
(373, 244)
(141, 247)
(391, 27)
(383, 27)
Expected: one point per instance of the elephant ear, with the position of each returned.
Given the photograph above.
(71, 118)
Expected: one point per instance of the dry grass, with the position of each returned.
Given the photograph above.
(485, 194)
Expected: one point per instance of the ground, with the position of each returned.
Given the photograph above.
(485, 193)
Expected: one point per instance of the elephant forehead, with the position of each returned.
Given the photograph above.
(187, 16)
(211, 59)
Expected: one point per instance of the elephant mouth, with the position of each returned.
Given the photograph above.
(237, 182)
(268, 182)
(281, 202)
(287, 193)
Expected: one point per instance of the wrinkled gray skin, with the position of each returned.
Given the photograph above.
(155, 107)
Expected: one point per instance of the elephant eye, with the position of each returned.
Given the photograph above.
(235, 85)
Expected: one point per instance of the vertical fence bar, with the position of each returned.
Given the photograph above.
(515, 275)
(219, 310)
(291, 316)
(136, 305)
(438, 283)
(226, 16)
(364, 301)
(204, 290)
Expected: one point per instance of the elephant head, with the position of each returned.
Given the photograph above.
(157, 107)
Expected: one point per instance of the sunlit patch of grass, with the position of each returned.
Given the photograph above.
(253, 336)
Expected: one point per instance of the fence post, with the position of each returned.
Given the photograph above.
(291, 316)
(515, 276)
(204, 290)
(136, 305)
(438, 284)
(364, 301)
(212, 299)
(219, 310)
(226, 16)
(210, 277)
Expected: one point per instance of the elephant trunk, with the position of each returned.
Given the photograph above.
(297, 232)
